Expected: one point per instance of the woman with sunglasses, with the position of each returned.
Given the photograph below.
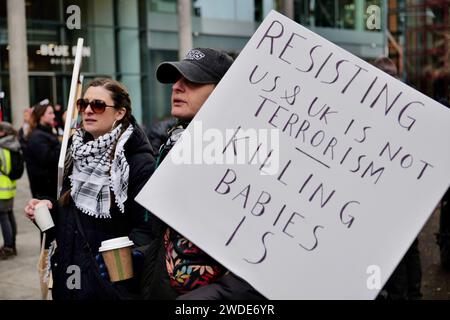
(109, 160)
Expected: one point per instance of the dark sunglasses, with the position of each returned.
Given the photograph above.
(97, 106)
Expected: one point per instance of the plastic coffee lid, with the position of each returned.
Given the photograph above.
(115, 243)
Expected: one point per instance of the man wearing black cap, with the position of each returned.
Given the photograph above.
(178, 269)
(193, 78)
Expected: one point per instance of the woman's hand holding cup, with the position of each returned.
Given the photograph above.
(38, 211)
(29, 208)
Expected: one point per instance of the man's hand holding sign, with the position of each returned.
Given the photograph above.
(307, 167)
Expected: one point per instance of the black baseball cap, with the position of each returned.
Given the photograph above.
(201, 65)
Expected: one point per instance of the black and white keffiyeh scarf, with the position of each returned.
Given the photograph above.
(96, 172)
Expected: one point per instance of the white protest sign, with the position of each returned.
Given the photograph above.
(331, 168)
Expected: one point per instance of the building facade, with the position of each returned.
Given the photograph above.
(127, 39)
(422, 27)
(111, 47)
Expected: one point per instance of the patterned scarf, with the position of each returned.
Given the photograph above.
(187, 265)
(174, 134)
(96, 172)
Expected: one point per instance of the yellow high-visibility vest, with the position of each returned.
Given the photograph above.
(7, 187)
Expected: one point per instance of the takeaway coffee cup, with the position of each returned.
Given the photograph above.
(42, 217)
(117, 255)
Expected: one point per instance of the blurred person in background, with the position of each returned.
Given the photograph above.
(42, 152)
(9, 146)
(59, 121)
(25, 130)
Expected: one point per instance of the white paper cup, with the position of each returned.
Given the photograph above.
(117, 255)
(43, 217)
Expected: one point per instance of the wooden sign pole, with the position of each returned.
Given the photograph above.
(75, 90)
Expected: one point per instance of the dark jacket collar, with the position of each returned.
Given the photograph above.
(138, 142)
(46, 128)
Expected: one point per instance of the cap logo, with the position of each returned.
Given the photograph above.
(194, 55)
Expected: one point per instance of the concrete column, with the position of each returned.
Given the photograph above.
(18, 60)
(288, 8)
(184, 27)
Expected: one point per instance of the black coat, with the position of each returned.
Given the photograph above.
(135, 222)
(41, 158)
(157, 133)
(155, 282)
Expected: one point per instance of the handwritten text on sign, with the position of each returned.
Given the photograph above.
(361, 161)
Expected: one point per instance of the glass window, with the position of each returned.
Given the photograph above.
(259, 10)
(3, 35)
(346, 16)
(164, 6)
(235, 10)
(42, 57)
(4, 59)
(335, 14)
(48, 56)
(160, 93)
(100, 55)
(41, 87)
(53, 49)
(129, 51)
(5, 102)
(301, 12)
(437, 15)
(197, 8)
(325, 13)
(339, 14)
(2, 11)
(98, 12)
(41, 32)
(43, 10)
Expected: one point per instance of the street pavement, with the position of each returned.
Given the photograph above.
(19, 276)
